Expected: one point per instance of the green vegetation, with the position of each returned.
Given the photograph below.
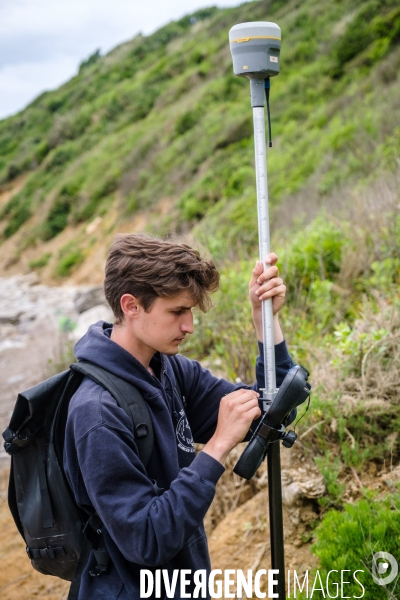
(163, 116)
(70, 256)
(41, 262)
(349, 539)
(330, 470)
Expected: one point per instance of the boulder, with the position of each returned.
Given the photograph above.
(88, 298)
(10, 316)
(87, 318)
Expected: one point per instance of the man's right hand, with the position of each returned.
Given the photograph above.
(237, 411)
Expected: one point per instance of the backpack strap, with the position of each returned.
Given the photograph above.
(132, 402)
(129, 399)
(86, 549)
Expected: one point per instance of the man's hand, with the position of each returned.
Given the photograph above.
(237, 411)
(267, 284)
(263, 285)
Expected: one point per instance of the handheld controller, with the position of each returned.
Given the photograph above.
(294, 390)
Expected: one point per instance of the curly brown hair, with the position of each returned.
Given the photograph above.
(150, 267)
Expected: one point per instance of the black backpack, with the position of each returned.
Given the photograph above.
(58, 536)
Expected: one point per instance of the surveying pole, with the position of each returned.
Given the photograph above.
(255, 49)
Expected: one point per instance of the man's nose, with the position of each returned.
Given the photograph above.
(188, 325)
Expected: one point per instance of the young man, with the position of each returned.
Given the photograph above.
(152, 285)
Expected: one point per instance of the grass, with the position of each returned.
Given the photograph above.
(40, 262)
(349, 540)
(70, 257)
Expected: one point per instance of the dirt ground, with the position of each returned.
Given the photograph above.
(241, 540)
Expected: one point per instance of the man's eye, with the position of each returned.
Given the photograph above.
(177, 312)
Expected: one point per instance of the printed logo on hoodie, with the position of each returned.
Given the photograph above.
(184, 434)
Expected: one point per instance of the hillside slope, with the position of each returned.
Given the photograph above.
(157, 135)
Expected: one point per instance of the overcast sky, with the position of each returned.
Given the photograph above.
(42, 42)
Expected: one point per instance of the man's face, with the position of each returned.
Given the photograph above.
(166, 324)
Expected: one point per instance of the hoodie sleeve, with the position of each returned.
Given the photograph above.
(103, 467)
(203, 391)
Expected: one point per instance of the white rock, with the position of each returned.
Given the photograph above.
(291, 493)
(89, 298)
(87, 318)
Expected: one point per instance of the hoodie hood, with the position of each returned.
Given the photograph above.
(96, 346)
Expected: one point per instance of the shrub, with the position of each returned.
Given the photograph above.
(315, 253)
(240, 130)
(330, 469)
(42, 150)
(69, 126)
(385, 273)
(106, 186)
(60, 156)
(195, 202)
(86, 204)
(93, 58)
(349, 539)
(8, 143)
(17, 219)
(55, 102)
(42, 261)
(241, 179)
(19, 211)
(70, 258)
(12, 172)
(368, 28)
(187, 121)
(86, 210)
(143, 100)
(57, 218)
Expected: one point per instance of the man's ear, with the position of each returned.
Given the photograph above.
(130, 306)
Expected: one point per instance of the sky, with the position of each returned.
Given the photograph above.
(42, 42)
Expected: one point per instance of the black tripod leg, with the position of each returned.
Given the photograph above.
(276, 517)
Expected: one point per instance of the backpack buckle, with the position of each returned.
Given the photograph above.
(141, 430)
(14, 442)
(97, 571)
(102, 562)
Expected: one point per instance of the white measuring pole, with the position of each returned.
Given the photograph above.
(264, 246)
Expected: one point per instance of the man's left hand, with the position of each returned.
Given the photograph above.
(267, 284)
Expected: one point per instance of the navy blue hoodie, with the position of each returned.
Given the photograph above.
(143, 530)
